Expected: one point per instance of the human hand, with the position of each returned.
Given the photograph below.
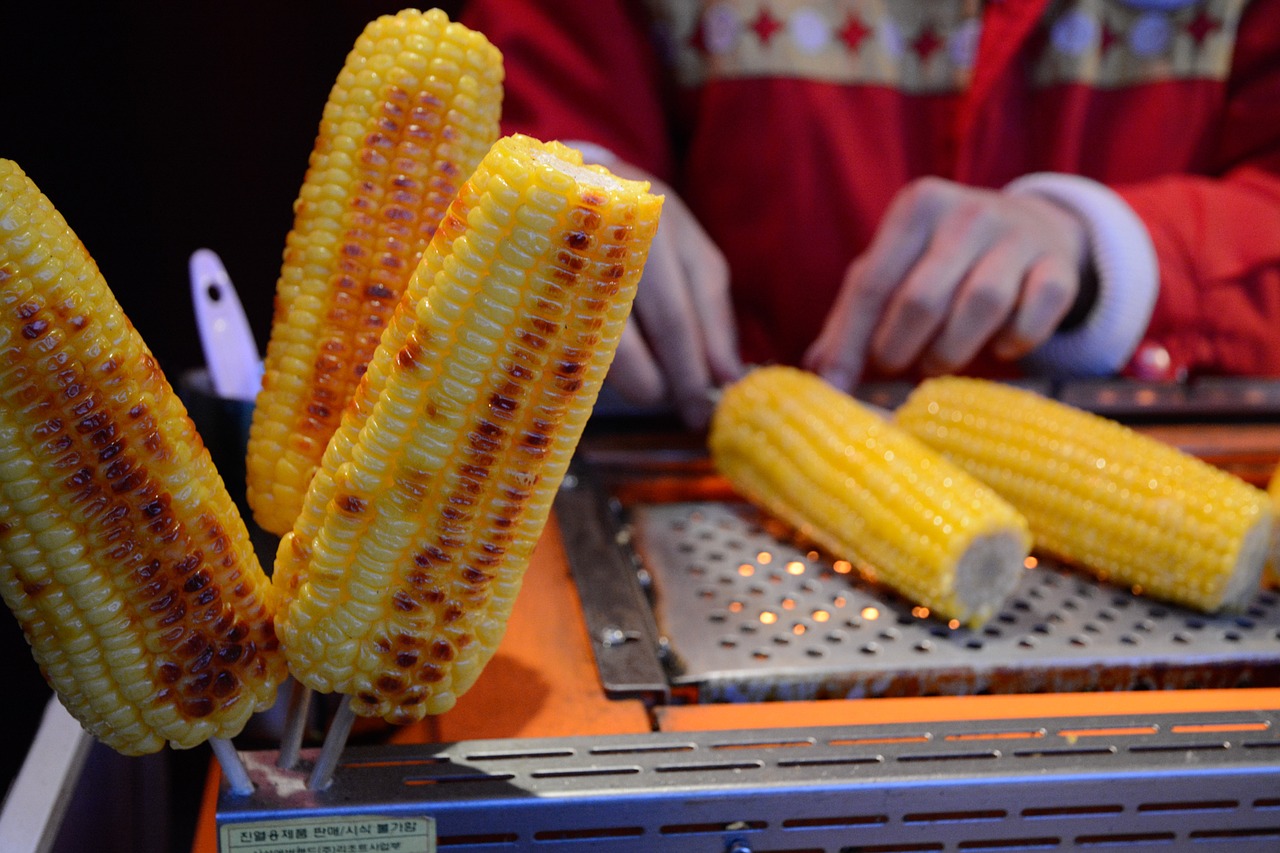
(680, 342)
(951, 270)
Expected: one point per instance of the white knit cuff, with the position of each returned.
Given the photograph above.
(1128, 279)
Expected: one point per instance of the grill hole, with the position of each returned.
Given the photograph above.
(708, 766)
(949, 756)
(644, 748)
(477, 840)
(955, 817)
(763, 744)
(831, 762)
(1260, 832)
(923, 847)
(505, 755)
(1064, 752)
(594, 771)
(844, 820)
(1201, 806)
(1185, 747)
(694, 828)
(1041, 843)
(1072, 811)
(601, 832)
(1125, 838)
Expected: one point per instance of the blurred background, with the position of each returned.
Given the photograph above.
(156, 129)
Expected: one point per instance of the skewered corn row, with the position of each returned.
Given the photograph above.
(868, 492)
(1096, 493)
(414, 109)
(437, 486)
(121, 553)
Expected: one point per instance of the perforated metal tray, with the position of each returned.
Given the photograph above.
(693, 595)
(751, 615)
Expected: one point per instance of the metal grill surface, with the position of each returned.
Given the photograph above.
(749, 614)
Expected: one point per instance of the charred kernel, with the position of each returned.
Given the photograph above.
(225, 684)
(389, 683)
(406, 660)
(404, 601)
(350, 504)
(430, 673)
(197, 708)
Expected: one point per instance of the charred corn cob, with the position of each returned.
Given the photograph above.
(414, 109)
(1130, 508)
(868, 492)
(121, 553)
(436, 488)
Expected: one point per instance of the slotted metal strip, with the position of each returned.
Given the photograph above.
(1066, 783)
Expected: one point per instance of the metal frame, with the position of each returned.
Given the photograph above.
(1171, 781)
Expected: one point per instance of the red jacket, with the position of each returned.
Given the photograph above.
(788, 126)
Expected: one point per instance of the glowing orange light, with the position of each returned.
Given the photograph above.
(735, 606)
(870, 614)
(746, 570)
(768, 617)
(820, 615)
(764, 558)
(1031, 562)
(795, 567)
(920, 612)
(788, 604)
(839, 601)
(797, 629)
(842, 567)
(953, 624)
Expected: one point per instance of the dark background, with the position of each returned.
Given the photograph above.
(158, 128)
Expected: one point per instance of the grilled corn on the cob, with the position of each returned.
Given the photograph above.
(868, 492)
(121, 553)
(404, 564)
(1101, 495)
(415, 108)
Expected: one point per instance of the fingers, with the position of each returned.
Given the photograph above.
(1048, 292)
(680, 342)
(840, 351)
(930, 295)
(952, 270)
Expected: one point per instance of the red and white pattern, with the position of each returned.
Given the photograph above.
(931, 47)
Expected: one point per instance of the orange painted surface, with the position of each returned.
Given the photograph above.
(857, 712)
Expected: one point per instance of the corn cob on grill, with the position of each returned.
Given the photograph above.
(121, 553)
(414, 109)
(408, 555)
(1132, 509)
(868, 492)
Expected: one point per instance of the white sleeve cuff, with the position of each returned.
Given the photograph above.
(1128, 279)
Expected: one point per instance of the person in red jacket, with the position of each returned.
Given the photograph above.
(1010, 187)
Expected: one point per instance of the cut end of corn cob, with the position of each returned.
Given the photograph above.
(403, 565)
(121, 553)
(412, 112)
(1131, 509)
(869, 493)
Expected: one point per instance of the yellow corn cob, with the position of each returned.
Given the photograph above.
(1096, 493)
(437, 486)
(868, 492)
(415, 108)
(121, 553)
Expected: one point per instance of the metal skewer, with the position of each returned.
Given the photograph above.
(295, 725)
(335, 740)
(232, 766)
